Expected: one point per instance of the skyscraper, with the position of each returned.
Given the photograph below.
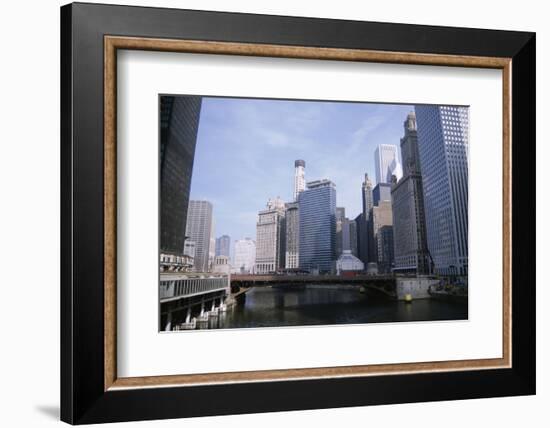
(179, 123)
(384, 243)
(443, 134)
(292, 223)
(352, 225)
(270, 237)
(386, 163)
(317, 211)
(363, 240)
(223, 246)
(245, 256)
(366, 193)
(381, 215)
(346, 233)
(299, 177)
(199, 230)
(409, 223)
(381, 192)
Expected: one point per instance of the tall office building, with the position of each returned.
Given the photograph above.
(199, 230)
(384, 247)
(363, 241)
(292, 247)
(386, 163)
(223, 246)
(349, 237)
(352, 225)
(381, 192)
(317, 211)
(299, 177)
(245, 256)
(179, 123)
(346, 234)
(362, 237)
(381, 215)
(409, 223)
(366, 193)
(443, 135)
(270, 237)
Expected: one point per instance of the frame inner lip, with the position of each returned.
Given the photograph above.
(112, 43)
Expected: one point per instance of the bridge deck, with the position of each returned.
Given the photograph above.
(385, 284)
(310, 279)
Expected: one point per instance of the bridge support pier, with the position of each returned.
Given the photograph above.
(168, 325)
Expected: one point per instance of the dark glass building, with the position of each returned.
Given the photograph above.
(384, 242)
(364, 241)
(179, 124)
(381, 192)
(317, 213)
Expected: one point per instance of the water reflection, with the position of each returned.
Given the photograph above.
(273, 307)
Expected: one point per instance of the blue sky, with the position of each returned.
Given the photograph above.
(246, 150)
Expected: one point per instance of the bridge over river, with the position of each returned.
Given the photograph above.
(384, 284)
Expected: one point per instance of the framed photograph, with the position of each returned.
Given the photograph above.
(308, 213)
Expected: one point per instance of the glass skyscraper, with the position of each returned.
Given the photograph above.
(381, 192)
(179, 124)
(386, 163)
(317, 213)
(443, 134)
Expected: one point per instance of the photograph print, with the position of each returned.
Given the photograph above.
(286, 213)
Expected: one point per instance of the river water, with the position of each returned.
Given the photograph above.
(276, 307)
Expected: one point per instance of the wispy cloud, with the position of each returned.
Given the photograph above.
(246, 150)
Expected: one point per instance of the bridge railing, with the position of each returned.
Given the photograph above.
(180, 287)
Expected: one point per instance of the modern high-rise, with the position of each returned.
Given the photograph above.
(317, 211)
(443, 136)
(409, 223)
(386, 163)
(270, 237)
(381, 192)
(362, 237)
(223, 246)
(179, 123)
(199, 230)
(381, 215)
(245, 256)
(299, 177)
(292, 247)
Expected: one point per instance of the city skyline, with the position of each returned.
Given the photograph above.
(262, 140)
(412, 220)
